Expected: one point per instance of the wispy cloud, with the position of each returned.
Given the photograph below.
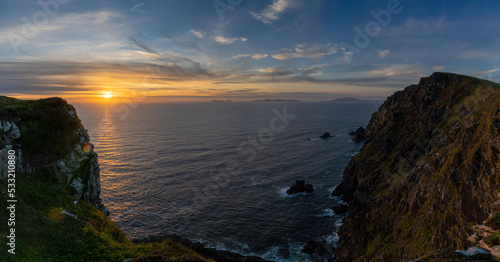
(240, 56)
(135, 7)
(196, 33)
(259, 56)
(312, 52)
(272, 12)
(383, 53)
(227, 40)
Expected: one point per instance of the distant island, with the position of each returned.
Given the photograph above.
(221, 101)
(277, 100)
(351, 100)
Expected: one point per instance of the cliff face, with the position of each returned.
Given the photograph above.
(54, 215)
(427, 173)
(50, 143)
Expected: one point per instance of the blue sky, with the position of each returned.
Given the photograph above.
(241, 49)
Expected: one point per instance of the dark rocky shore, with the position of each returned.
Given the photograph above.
(211, 253)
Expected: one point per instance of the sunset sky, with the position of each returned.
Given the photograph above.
(240, 49)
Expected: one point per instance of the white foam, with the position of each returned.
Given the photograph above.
(283, 194)
(295, 254)
(328, 212)
(272, 253)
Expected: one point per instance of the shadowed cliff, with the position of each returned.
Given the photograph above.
(428, 172)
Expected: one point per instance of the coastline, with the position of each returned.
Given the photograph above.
(211, 253)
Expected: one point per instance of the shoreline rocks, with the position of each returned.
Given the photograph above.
(300, 186)
(210, 253)
(326, 135)
(340, 209)
(358, 135)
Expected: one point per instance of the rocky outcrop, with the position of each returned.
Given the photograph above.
(300, 186)
(340, 209)
(211, 253)
(427, 173)
(326, 135)
(49, 142)
(318, 250)
(358, 135)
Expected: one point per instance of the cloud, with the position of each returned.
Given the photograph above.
(418, 27)
(143, 46)
(135, 7)
(226, 40)
(312, 52)
(397, 70)
(272, 12)
(259, 56)
(196, 33)
(383, 53)
(275, 71)
(438, 68)
(240, 56)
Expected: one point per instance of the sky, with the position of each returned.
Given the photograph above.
(179, 50)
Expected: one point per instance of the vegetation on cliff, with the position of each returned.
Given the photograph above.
(57, 191)
(428, 172)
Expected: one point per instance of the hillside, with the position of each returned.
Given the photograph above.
(428, 173)
(55, 212)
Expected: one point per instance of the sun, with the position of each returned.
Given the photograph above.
(107, 94)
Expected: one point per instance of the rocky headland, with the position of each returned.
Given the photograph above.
(427, 177)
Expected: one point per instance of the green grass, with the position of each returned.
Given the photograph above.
(494, 221)
(44, 124)
(493, 240)
(43, 234)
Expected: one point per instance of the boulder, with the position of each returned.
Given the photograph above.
(300, 187)
(340, 209)
(326, 135)
(318, 250)
(358, 135)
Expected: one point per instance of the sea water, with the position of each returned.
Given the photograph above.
(217, 173)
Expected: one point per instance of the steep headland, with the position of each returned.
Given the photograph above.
(428, 173)
(49, 180)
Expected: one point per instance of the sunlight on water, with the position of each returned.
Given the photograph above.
(163, 166)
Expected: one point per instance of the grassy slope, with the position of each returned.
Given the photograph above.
(42, 233)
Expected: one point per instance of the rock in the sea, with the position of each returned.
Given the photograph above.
(300, 186)
(318, 250)
(359, 134)
(340, 209)
(326, 135)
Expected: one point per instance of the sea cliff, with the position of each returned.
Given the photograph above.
(427, 175)
(49, 180)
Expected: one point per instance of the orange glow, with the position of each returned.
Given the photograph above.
(107, 94)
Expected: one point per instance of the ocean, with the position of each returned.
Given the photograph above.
(217, 173)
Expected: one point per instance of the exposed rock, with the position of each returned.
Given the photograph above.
(300, 186)
(326, 135)
(340, 209)
(427, 173)
(472, 251)
(318, 250)
(55, 137)
(359, 134)
(64, 212)
(211, 253)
